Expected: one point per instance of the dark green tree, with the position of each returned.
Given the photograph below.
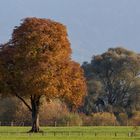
(117, 72)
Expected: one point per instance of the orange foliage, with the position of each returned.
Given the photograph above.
(37, 62)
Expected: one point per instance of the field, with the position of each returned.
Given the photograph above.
(71, 133)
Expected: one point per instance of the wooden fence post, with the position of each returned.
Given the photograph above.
(55, 123)
(12, 123)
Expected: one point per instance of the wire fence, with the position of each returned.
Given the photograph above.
(52, 123)
(75, 133)
(14, 123)
(134, 132)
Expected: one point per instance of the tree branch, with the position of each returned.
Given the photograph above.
(30, 109)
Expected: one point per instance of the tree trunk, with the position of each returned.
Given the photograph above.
(35, 122)
(35, 116)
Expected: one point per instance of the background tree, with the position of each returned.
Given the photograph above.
(117, 74)
(36, 63)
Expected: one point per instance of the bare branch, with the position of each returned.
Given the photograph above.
(30, 109)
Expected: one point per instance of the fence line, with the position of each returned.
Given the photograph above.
(76, 133)
(47, 123)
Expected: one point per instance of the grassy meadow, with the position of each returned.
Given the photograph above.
(71, 133)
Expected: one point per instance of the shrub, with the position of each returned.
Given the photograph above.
(87, 120)
(135, 120)
(56, 113)
(100, 119)
(123, 119)
(74, 119)
(12, 110)
(104, 119)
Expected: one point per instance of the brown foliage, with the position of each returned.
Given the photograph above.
(100, 119)
(36, 62)
(56, 113)
(135, 120)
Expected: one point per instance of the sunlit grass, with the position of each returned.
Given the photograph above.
(69, 133)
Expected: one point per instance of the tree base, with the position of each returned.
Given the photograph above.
(35, 131)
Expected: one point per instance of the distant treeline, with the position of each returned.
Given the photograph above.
(113, 95)
(113, 83)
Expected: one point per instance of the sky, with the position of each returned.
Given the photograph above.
(93, 25)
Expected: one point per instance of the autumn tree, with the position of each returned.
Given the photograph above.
(114, 76)
(36, 63)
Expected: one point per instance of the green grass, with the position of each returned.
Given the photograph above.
(69, 133)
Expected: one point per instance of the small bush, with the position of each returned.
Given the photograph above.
(86, 120)
(135, 120)
(56, 113)
(104, 119)
(74, 119)
(100, 119)
(123, 119)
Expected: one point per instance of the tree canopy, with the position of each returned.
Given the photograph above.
(114, 76)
